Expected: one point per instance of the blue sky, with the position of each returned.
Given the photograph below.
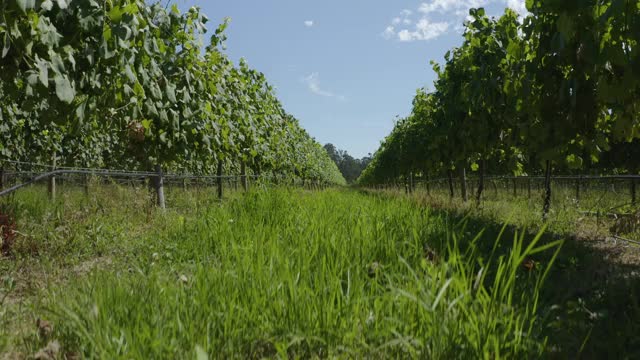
(345, 68)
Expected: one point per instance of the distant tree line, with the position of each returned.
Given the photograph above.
(350, 167)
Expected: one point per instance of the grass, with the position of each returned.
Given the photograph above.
(278, 273)
(592, 295)
(592, 213)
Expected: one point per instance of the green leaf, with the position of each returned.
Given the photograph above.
(7, 45)
(171, 92)
(155, 91)
(574, 161)
(163, 138)
(43, 72)
(64, 90)
(80, 111)
(57, 65)
(47, 5)
(129, 72)
(138, 90)
(25, 5)
(107, 33)
(116, 14)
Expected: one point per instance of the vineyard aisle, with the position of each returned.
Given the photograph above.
(297, 273)
(159, 199)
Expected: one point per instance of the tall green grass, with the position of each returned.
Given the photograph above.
(290, 273)
(589, 216)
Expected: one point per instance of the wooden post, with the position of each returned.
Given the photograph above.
(515, 187)
(219, 174)
(243, 170)
(578, 190)
(158, 182)
(428, 185)
(463, 184)
(411, 185)
(406, 184)
(85, 183)
(529, 187)
(633, 191)
(1, 177)
(451, 190)
(547, 188)
(52, 179)
(480, 182)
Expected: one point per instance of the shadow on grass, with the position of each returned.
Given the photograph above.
(590, 303)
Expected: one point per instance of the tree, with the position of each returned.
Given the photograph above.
(350, 167)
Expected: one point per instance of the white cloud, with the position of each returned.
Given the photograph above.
(446, 6)
(313, 83)
(424, 30)
(518, 6)
(308, 23)
(406, 13)
(434, 18)
(399, 20)
(389, 32)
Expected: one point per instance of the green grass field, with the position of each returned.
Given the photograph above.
(298, 274)
(597, 210)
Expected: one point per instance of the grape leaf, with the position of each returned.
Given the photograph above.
(64, 90)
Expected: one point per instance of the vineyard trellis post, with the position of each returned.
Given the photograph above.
(243, 171)
(529, 188)
(1, 177)
(52, 180)
(411, 184)
(480, 182)
(158, 182)
(219, 174)
(578, 189)
(633, 191)
(451, 189)
(463, 184)
(407, 187)
(547, 189)
(85, 184)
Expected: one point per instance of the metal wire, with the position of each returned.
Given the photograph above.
(61, 171)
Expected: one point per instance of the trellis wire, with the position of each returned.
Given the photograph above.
(59, 171)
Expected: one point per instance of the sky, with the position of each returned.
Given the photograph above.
(345, 68)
